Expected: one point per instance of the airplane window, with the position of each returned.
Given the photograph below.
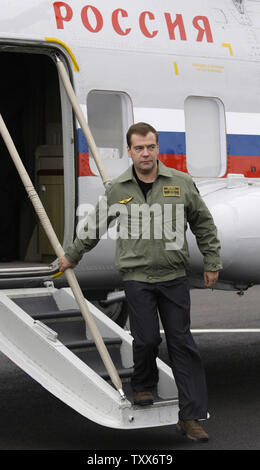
(205, 127)
(109, 118)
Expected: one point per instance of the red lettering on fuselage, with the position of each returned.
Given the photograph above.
(206, 30)
(115, 22)
(143, 26)
(58, 6)
(64, 13)
(98, 17)
(171, 26)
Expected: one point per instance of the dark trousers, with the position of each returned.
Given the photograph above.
(172, 300)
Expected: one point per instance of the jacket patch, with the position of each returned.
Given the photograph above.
(172, 191)
(125, 201)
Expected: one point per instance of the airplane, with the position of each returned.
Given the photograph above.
(190, 69)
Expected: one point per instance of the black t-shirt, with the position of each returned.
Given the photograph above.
(144, 186)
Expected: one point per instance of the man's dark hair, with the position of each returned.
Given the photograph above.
(140, 128)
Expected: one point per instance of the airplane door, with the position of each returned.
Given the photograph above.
(109, 115)
(206, 144)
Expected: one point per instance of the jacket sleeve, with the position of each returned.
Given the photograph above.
(202, 225)
(91, 230)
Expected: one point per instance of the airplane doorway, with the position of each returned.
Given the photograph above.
(31, 108)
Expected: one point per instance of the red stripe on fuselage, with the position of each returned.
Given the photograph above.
(247, 165)
(174, 161)
(84, 165)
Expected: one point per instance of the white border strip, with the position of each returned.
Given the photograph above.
(167, 120)
(219, 330)
(173, 120)
(228, 330)
(224, 330)
(243, 123)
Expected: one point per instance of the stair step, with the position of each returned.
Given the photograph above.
(158, 401)
(123, 374)
(40, 304)
(71, 329)
(57, 315)
(92, 358)
(88, 343)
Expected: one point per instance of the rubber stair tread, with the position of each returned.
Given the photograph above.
(90, 343)
(41, 304)
(123, 373)
(57, 314)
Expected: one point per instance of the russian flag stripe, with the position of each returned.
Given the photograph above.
(173, 143)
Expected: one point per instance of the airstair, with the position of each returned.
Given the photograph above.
(43, 332)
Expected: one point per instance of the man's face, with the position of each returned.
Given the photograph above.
(144, 152)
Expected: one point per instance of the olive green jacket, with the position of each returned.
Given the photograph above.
(151, 244)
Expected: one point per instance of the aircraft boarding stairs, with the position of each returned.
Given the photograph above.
(43, 332)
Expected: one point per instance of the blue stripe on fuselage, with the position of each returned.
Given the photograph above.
(173, 143)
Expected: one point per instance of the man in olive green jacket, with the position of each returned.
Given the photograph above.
(153, 205)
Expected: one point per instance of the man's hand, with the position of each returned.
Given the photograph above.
(210, 277)
(64, 264)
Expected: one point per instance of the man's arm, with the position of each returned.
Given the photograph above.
(202, 225)
(95, 225)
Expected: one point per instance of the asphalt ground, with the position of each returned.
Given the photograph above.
(32, 419)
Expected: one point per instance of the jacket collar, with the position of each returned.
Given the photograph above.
(128, 174)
